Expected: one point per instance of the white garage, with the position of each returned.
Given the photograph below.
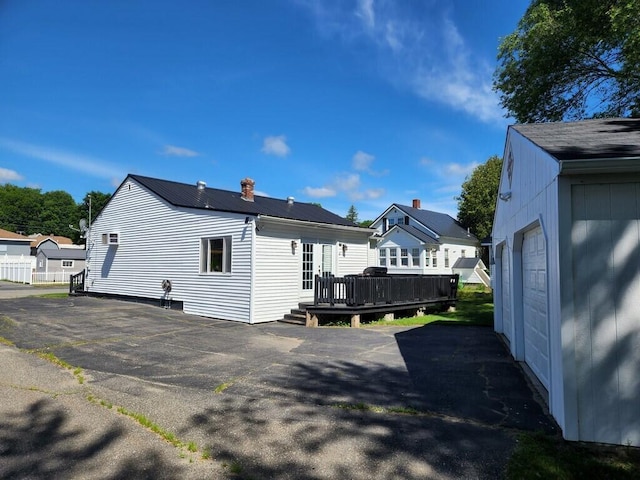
(566, 299)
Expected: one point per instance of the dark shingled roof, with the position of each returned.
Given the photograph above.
(419, 234)
(186, 195)
(441, 223)
(606, 138)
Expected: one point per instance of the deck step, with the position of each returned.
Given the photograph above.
(294, 319)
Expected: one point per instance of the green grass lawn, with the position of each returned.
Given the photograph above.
(474, 307)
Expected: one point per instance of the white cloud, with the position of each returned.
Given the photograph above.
(7, 175)
(366, 14)
(461, 170)
(82, 163)
(374, 193)
(276, 145)
(428, 57)
(320, 192)
(173, 151)
(347, 182)
(361, 161)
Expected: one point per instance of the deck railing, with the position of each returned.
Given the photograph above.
(76, 283)
(354, 290)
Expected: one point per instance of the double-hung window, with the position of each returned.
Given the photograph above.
(67, 263)
(383, 257)
(393, 257)
(434, 258)
(404, 257)
(446, 258)
(415, 257)
(215, 255)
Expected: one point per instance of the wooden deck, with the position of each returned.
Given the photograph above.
(356, 295)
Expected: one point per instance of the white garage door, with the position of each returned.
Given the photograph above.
(534, 304)
(507, 326)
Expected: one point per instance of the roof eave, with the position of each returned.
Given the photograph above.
(293, 221)
(597, 165)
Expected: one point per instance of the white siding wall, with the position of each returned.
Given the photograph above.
(278, 267)
(159, 241)
(534, 200)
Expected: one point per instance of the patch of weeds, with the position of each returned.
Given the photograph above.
(7, 342)
(222, 387)
(377, 409)
(206, 453)
(155, 428)
(541, 456)
(192, 447)
(235, 467)
(50, 357)
(106, 404)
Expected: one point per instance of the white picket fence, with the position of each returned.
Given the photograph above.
(22, 270)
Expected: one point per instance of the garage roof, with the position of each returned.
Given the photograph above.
(599, 139)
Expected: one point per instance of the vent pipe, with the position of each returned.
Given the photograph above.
(290, 200)
(201, 185)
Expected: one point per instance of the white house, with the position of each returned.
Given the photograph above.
(228, 255)
(566, 242)
(415, 241)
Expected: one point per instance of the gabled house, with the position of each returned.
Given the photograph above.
(410, 240)
(221, 254)
(57, 256)
(566, 244)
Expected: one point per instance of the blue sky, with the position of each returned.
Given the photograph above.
(341, 102)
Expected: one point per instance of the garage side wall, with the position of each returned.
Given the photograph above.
(531, 201)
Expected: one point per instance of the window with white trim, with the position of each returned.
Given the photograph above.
(446, 258)
(383, 257)
(463, 253)
(67, 263)
(415, 257)
(434, 258)
(392, 221)
(400, 221)
(393, 257)
(215, 255)
(404, 257)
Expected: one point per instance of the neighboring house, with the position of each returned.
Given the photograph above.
(58, 255)
(415, 241)
(14, 244)
(229, 255)
(566, 241)
(471, 271)
(16, 263)
(68, 260)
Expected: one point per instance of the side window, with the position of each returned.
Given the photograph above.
(434, 259)
(446, 258)
(383, 257)
(415, 257)
(393, 257)
(404, 257)
(215, 255)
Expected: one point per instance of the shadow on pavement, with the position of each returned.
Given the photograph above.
(39, 443)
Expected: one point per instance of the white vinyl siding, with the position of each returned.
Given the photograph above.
(159, 241)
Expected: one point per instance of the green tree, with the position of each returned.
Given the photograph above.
(58, 211)
(477, 201)
(365, 223)
(20, 209)
(352, 214)
(571, 59)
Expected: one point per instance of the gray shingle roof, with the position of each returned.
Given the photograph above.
(419, 234)
(65, 254)
(466, 262)
(606, 138)
(186, 195)
(441, 223)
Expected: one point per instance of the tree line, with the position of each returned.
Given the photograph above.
(28, 211)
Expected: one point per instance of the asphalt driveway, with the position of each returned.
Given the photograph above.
(266, 401)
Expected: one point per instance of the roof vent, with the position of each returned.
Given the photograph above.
(201, 185)
(290, 200)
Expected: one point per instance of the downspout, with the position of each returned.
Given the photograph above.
(252, 270)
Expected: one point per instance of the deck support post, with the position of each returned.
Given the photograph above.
(312, 320)
(355, 321)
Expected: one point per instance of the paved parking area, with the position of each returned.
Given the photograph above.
(284, 401)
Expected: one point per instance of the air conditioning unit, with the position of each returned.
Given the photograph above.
(113, 239)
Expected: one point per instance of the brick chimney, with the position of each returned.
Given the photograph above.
(247, 185)
(416, 203)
